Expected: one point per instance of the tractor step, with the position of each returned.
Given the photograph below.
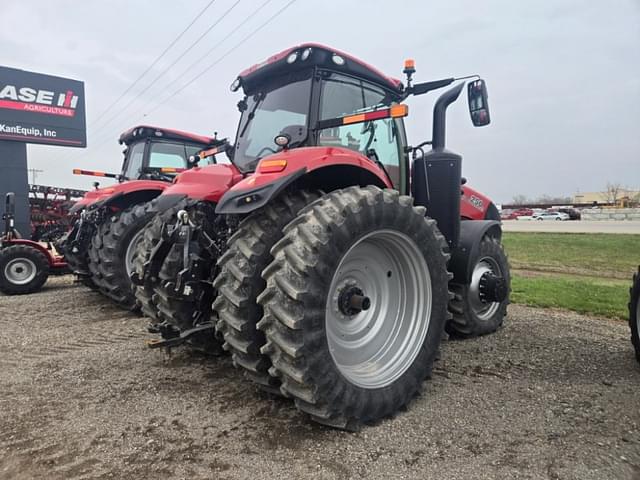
(180, 339)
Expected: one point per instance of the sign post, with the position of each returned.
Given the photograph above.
(35, 108)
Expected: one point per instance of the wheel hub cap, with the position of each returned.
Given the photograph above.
(485, 291)
(20, 271)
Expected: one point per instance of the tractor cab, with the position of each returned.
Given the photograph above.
(154, 153)
(304, 96)
(319, 109)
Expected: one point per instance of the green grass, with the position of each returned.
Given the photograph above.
(587, 273)
(599, 254)
(603, 297)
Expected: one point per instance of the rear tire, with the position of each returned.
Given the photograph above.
(471, 318)
(112, 252)
(346, 368)
(151, 236)
(634, 313)
(23, 269)
(240, 281)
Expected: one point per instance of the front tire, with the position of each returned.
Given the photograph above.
(23, 269)
(634, 313)
(472, 316)
(355, 305)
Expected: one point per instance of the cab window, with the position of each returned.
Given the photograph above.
(379, 139)
(169, 155)
(135, 158)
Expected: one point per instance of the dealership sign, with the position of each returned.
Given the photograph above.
(37, 108)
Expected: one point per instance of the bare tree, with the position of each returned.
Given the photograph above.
(553, 199)
(519, 200)
(612, 193)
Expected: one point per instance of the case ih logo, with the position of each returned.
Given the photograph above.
(38, 101)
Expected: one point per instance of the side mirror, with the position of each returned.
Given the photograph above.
(478, 103)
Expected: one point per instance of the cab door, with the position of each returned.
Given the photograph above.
(380, 140)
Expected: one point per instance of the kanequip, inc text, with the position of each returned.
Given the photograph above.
(27, 131)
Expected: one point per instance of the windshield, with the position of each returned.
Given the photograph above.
(266, 115)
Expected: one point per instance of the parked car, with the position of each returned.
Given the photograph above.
(514, 214)
(572, 212)
(559, 216)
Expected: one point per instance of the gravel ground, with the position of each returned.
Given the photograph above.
(552, 395)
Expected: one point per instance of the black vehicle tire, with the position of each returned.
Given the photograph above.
(23, 269)
(634, 313)
(359, 233)
(183, 312)
(471, 318)
(145, 293)
(240, 281)
(110, 252)
(78, 262)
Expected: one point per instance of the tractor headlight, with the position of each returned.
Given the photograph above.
(292, 57)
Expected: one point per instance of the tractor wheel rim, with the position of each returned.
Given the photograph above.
(131, 252)
(20, 271)
(375, 347)
(483, 310)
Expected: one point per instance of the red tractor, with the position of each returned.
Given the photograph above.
(349, 249)
(354, 293)
(25, 265)
(101, 245)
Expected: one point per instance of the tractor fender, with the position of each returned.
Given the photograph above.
(55, 261)
(302, 164)
(471, 234)
(121, 195)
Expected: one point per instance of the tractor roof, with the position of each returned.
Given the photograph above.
(146, 131)
(316, 54)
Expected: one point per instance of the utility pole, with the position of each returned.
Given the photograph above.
(34, 174)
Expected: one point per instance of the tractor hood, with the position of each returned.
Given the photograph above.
(207, 183)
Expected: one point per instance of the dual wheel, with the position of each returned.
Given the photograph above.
(342, 310)
(112, 252)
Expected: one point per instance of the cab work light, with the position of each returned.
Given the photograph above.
(272, 166)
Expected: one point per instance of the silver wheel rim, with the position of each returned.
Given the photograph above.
(131, 252)
(20, 271)
(375, 347)
(482, 310)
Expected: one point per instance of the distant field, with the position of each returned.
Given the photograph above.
(587, 273)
